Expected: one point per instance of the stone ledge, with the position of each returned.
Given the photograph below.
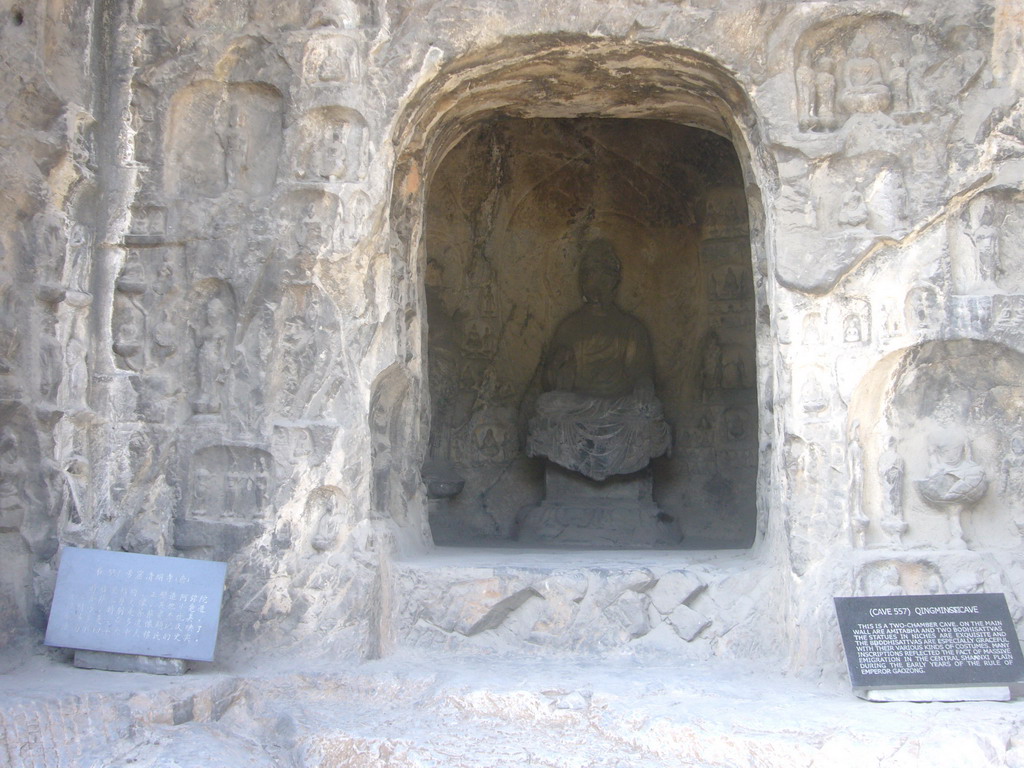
(420, 709)
(592, 603)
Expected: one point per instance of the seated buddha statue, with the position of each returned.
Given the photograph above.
(599, 415)
(863, 88)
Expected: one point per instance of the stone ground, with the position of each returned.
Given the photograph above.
(418, 710)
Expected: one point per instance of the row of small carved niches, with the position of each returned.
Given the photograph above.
(163, 28)
(304, 91)
(840, 340)
(271, 504)
(861, 325)
(870, 65)
(958, 277)
(935, 574)
(877, 103)
(727, 367)
(232, 349)
(241, 137)
(219, 184)
(297, 222)
(212, 489)
(268, 155)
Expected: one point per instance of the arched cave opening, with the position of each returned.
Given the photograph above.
(511, 212)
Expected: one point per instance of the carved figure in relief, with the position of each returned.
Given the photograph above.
(77, 382)
(922, 307)
(727, 283)
(330, 59)
(343, 14)
(890, 321)
(955, 482)
(493, 437)
(599, 416)
(975, 313)
(852, 333)
(309, 240)
(917, 70)
(864, 89)
(299, 351)
(212, 358)
(1013, 467)
(77, 266)
(825, 90)
(883, 579)
(806, 97)
(811, 329)
(726, 208)
(480, 337)
(711, 370)
(853, 211)
(813, 395)
(236, 148)
(898, 84)
(331, 160)
(736, 372)
(128, 329)
(859, 520)
(887, 202)
(12, 471)
(890, 473)
(985, 236)
(358, 214)
(329, 524)
(970, 62)
(1013, 477)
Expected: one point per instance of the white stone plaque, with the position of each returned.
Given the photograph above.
(139, 604)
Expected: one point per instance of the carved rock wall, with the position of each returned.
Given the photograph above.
(213, 337)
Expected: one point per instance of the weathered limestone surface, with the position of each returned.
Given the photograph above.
(482, 714)
(218, 336)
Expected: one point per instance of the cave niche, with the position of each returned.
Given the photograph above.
(508, 211)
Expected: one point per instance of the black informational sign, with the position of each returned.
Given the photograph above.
(929, 641)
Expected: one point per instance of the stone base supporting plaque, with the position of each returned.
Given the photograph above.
(580, 512)
(128, 662)
(970, 693)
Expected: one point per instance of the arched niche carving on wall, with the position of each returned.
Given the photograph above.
(942, 441)
(223, 137)
(599, 79)
(391, 419)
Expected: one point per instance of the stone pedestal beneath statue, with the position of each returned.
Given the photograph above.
(579, 512)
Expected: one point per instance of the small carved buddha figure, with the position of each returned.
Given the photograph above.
(955, 482)
(825, 91)
(212, 357)
(954, 478)
(807, 107)
(599, 415)
(863, 87)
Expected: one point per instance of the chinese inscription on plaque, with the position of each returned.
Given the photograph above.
(139, 604)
